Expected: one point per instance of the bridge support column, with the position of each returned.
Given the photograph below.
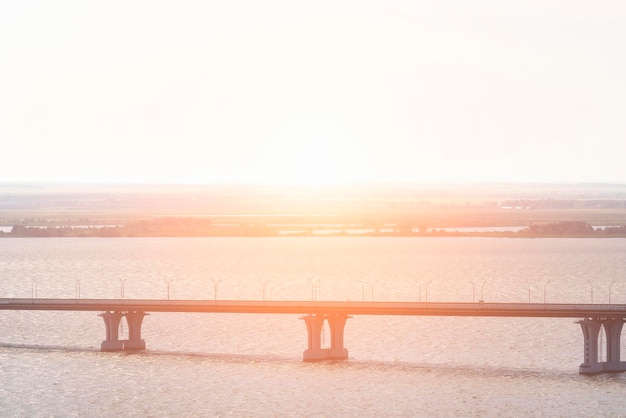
(337, 324)
(112, 324)
(134, 320)
(613, 330)
(591, 328)
(314, 324)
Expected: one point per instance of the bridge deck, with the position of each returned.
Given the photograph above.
(547, 310)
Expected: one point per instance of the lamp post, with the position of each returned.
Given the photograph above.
(426, 293)
(544, 290)
(482, 288)
(33, 289)
(528, 290)
(590, 290)
(363, 284)
(122, 282)
(215, 283)
(78, 288)
(314, 285)
(169, 282)
(264, 284)
(473, 291)
(610, 285)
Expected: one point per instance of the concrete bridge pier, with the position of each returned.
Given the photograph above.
(613, 330)
(591, 328)
(314, 324)
(112, 320)
(337, 323)
(134, 320)
(112, 324)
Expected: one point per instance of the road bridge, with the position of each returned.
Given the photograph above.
(591, 317)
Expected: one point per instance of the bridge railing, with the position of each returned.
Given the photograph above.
(356, 307)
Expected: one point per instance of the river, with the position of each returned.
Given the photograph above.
(250, 365)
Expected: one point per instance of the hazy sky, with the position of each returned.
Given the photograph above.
(324, 91)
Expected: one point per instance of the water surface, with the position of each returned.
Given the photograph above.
(249, 365)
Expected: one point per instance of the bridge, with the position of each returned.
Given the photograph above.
(592, 318)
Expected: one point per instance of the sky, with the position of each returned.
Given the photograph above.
(325, 92)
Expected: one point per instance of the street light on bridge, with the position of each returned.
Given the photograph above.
(215, 283)
(169, 282)
(264, 284)
(419, 290)
(473, 291)
(78, 288)
(528, 290)
(363, 284)
(544, 290)
(426, 293)
(590, 290)
(314, 288)
(610, 285)
(482, 293)
(122, 283)
(33, 289)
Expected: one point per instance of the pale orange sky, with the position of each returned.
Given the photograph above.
(313, 92)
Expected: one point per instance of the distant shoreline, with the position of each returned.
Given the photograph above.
(518, 235)
(492, 211)
(193, 227)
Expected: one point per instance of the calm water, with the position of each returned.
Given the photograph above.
(249, 365)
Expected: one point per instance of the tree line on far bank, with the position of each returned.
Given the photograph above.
(195, 227)
(574, 228)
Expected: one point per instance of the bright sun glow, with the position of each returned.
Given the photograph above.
(291, 92)
(312, 153)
